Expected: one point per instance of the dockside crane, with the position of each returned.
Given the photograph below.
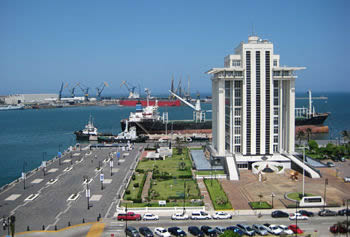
(85, 90)
(100, 89)
(131, 89)
(61, 90)
(72, 90)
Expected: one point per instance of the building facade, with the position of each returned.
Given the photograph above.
(253, 101)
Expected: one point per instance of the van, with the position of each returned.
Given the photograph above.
(200, 215)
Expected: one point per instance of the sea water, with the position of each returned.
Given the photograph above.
(27, 137)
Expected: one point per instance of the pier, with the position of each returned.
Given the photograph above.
(56, 198)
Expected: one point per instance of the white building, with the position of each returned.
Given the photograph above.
(30, 98)
(253, 107)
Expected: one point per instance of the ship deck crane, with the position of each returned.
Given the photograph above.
(100, 89)
(198, 114)
(131, 89)
(311, 110)
(85, 90)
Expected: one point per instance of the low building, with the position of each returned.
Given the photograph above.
(30, 98)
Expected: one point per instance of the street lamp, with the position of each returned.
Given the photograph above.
(87, 179)
(325, 193)
(272, 196)
(184, 208)
(347, 216)
(44, 163)
(111, 165)
(303, 148)
(24, 175)
(296, 217)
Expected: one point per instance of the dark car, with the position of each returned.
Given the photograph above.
(344, 212)
(132, 232)
(194, 230)
(306, 213)
(247, 230)
(278, 213)
(336, 228)
(208, 230)
(327, 212)
(145, 231)
(235, 229)
(177, 231)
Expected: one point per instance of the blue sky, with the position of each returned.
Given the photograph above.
(44, 43)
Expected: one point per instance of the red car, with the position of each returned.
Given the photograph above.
(295, 229)
(130, 216)
(337, 229)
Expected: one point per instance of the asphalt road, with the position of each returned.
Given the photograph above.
(319, 225)
(51, 208)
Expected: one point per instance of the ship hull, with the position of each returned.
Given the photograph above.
(151, 102)
(158, 127)
(317, 119)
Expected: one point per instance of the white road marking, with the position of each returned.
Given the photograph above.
(96, 197)
(12, 197)
(36, 181)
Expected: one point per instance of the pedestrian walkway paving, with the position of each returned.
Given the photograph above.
(205, 194)
(146, 186)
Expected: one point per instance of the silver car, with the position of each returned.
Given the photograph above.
(260, 229)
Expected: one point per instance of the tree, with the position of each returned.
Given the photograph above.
(300, 135)
(309, 133)
(260, 197)
(230, 233)
(346, 136)
(182, 165)
(313, 146)
(330, 149)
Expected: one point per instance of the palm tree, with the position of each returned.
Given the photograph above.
(345, 134)
(300, 135)
(309, 133)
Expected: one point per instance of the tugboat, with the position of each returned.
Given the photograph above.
(89, 133)
(124, 137)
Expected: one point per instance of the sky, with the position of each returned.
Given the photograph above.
(146, 43)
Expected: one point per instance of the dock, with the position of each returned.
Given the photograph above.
(57, 198)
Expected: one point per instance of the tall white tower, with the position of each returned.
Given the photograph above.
(253, 102)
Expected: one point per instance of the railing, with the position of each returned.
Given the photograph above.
(161, 209)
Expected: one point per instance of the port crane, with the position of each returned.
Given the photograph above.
(61, 89)
(100, 89)
(131, 89)
(198, 114)
(72, 90)
(85, 90)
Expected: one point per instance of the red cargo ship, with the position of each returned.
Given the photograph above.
(151, 102)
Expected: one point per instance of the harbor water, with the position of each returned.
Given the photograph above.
(27, 137)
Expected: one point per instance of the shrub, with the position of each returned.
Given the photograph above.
(141, 171)
(136, 185)
(127, 192)
(133, 177)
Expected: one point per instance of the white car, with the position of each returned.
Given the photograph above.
(347, 179)
(285, 230)
(222, 215)
(179, 216)
(200, 215)
(298, 216)
(274, 229)
(150, 217)
(160, 231)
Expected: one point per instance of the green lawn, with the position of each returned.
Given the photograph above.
(134, 191)
(295, 196)
(260, 205)
(216, 194)
(170, 164)
(175, 188)
(208, 172)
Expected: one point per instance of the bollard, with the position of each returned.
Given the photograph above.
(68, 223)
(83, 220)
(43, 227)
(28, 229)
(55, 227)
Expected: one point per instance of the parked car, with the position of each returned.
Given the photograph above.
(222, 215)
(337, 229)
(200, 215)
(235, 229)
(195, 231)
(177, 231)
(344, 212)
(219, 230)
(162, 232)
(298, 216)
(285, 230)
(132, 231)
(330, 164)
(145, 231)
(295, 229)
(347, 179)
(150, 217)
(246, 229)
(306, 213)
(179, 216)
(278, 213)
(343, 159)
(327, 212)
(130, 216)
(274, 229)
(208, 230)
(260, 229)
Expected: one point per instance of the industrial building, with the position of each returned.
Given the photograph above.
(30, 99)
(253, 101)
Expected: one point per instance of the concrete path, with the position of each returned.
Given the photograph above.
(204, 192)
(146, 186)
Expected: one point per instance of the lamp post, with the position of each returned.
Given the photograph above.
(87, 179)
(24, 175)
(272, 196)
(303, 148)
(347, 216)
(325, 193)
(126, 219)
(44, 163)
(111, 165)
(296, 217)
(184, 208)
